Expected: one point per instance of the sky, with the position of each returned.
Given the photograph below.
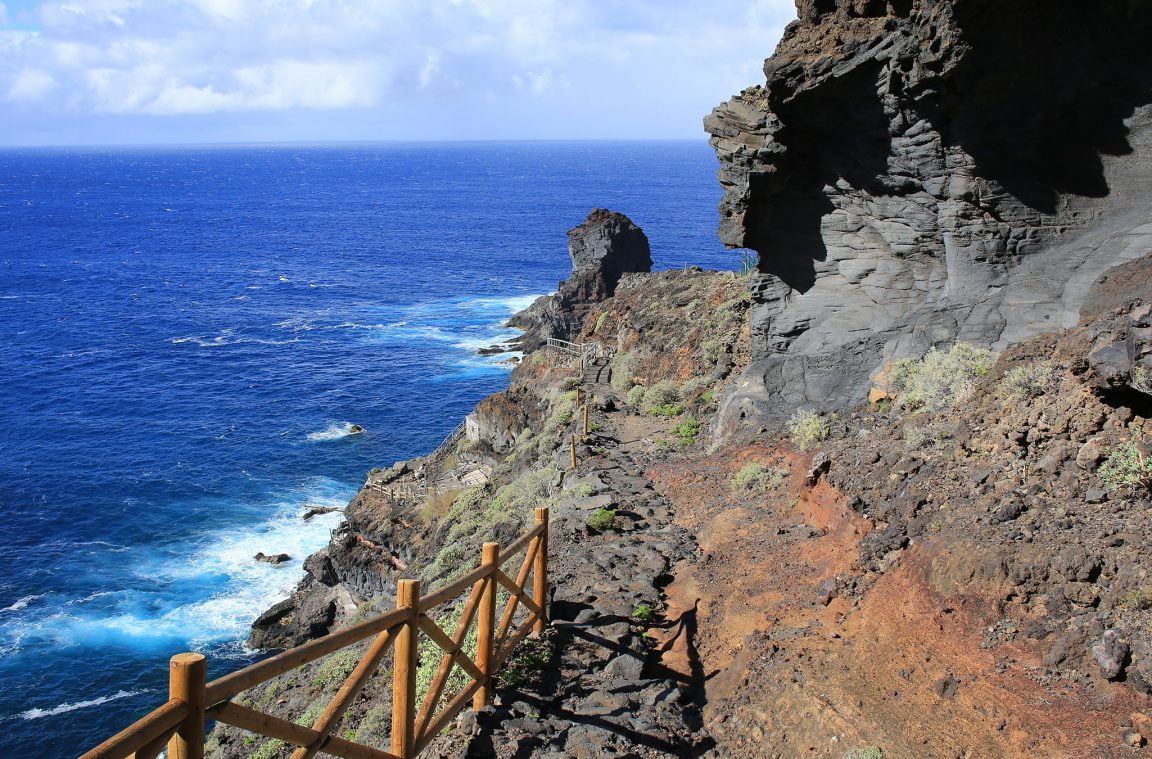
(89, 72)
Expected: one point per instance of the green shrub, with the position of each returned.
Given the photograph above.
(335, 668)
(927, 438)
(807, 428)
(527, 664)
(1137, 598)
(582, 490)
(561, 413)
(872, 752)
(603, 519)
(941, 378)
(644, 613)
(667, 409)
(1127, 467)
(636, 396)
(603, 317)
(308, 717)
(693, 386)
(687, 431)
(663, 394)
(430, 654)
(1027, 381)
(756, 478)
(710, 350)
(570, 383)
(622, 372)
(269, 749)
(708, 396)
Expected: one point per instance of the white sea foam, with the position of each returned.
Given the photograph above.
(71, 707)
(21, 603)
(334, 431)
(198, 595)
(512, 304)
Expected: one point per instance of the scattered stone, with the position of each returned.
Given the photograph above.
(275, 558)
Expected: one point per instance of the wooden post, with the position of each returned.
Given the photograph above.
(540, 572)
(404, 672)
(573, 451)
(186, 682)
(577, 395)
(485, 625)
(585, 419)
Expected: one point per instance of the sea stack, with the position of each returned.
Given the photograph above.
(606, 246)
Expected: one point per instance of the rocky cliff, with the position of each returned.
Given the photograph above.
(914, 172)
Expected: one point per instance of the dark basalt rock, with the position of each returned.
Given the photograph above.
(915, 174)
(603, 248)
(273, 558)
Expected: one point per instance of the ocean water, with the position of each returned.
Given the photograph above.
(186, 336)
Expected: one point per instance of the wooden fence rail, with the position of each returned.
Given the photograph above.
(179, 724)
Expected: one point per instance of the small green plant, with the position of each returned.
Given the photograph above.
(527, 665)
(872, 752)
(710, 350)
(1126, 467)
(666, 409)
(1137, 598)
(603, 519)
(603, 317)
(636, 396)
(335, 669)
(807, 428)
(686, 431)
(756, 477)
(569, 383)
(708, 396)
(941, 378)
(644, 613)
(311, 712)
(268, 749)
(623, 370)
(1027, 381)
(581, 490)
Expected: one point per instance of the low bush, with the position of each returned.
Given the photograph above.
(1126, 467)
(941, 378)
(603, 519)
(1142, 380)
(1027, 381)
(636, 396)
(686, 431)
(603, 317)
(872, 752)
(664, 394)
(622, 367)
(1137, 598)
(693, 386)
(667, 409)
(807, 428)
(335, 669)
(644, 613)
(756, 478)
(527, 664)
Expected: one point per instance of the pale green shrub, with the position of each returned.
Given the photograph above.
(756, 478)
(872, 752)
(693, 386)
(1142, 380)
(663, 393)
(1126, 466)
(636, 396)
(807, 428)
(623, 368)
(941, 378)
(1027, 381)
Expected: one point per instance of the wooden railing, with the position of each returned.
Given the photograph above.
(179, 724)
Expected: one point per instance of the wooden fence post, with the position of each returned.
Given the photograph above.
(540, 572)
(186, 682)
(404, 671)
(485, 625)
(573, 451)
(585, 419)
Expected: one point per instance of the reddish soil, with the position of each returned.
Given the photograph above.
(806, 654)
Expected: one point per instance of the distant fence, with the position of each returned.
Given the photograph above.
(179, 724)
(586, 352)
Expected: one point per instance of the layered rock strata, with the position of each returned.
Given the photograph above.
(917, 172)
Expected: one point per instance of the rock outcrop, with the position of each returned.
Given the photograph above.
(603, 248)
(917, 172)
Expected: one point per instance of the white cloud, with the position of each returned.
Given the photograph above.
(30, 86)
(183, 57)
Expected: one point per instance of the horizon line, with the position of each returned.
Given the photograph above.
(334, 143)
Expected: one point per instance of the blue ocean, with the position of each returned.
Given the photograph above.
(187, 336)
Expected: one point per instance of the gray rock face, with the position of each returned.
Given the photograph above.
(915, 174)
